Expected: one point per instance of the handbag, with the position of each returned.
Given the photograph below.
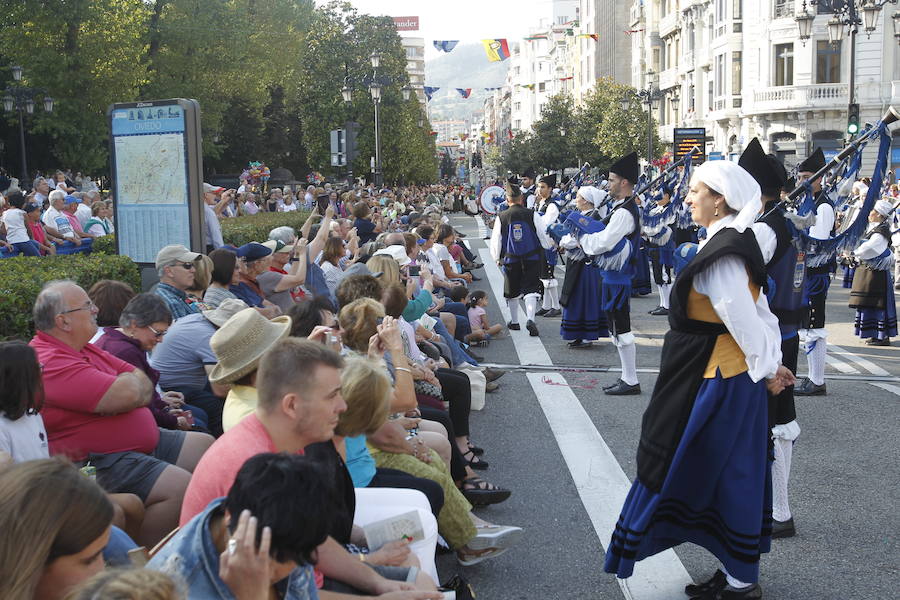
(458, 585)
(478, 383)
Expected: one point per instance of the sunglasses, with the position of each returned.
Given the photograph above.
(187, 266)
(158, 334)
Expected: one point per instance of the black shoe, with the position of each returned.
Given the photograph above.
(477, 265)
(552, 313)
(877, 342)
(808, 388)
(659, 311)
(580, 344)
(715, 584)
(623, 389)
(513, 326)
(493, 374)
(751, 592)
(542, 312)
(532, 328)
(783, 529)
(616, 383)
(491, 386)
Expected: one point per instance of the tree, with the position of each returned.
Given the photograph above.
(519, 154)
(553, 149)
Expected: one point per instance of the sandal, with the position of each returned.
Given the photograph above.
(474, 461)
(475, 449)
(473, 557)
(481, 493)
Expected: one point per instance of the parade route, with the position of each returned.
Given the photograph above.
(568, 453)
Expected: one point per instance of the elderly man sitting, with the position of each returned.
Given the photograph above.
(176, 266)
(95, 411)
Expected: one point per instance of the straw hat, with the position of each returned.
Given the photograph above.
(241, 342)
(227, 309)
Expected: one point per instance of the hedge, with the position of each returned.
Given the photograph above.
(22, 278)
(105, 245)
(238, 231)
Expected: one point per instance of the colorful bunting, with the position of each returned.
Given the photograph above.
(464, 92)
(445, 45)
(540, 36)
(429, 91)
(497, 50)
(593, 36)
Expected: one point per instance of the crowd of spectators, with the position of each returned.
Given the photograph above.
(240, 423)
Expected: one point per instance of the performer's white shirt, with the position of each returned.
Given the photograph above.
(496, 243)
(620, 225)
(873, 246)
(824, 222)
(766, 239)
(752, 325)
(551, 215)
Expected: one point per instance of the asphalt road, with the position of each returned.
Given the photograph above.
(546, 432)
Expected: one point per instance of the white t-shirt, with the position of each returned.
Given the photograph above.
(57, 220)
(83, 214)
(287, 207)
(14, 219)
(24, 439)
(434, 263)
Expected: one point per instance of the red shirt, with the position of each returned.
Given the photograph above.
(74, 383)
(37, 233)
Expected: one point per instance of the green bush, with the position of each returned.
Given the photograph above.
(21, 279)
(105, 245)
(255, 228)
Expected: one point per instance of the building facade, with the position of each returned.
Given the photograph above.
(739, 69)
(415, 64)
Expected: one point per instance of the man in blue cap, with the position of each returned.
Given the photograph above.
(254, 260)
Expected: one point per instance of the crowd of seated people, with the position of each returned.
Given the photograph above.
(235, 429)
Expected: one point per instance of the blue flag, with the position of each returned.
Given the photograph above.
(445, 45)
(429, 91)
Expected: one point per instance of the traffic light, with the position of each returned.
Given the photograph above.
(853, 119)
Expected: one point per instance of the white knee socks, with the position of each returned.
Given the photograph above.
(530, 306)
(816, 361)
(547, 301)
(735, 583)
(554, 297)
(513, 304)
(664, 290)
(781, 473)
(627, 356)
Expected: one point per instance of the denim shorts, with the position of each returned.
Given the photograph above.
(136, 472)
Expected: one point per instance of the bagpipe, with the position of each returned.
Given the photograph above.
(846, 165)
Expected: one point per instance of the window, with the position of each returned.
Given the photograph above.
(542, 86)
(737, 9)
(720, 75)
(783, 8)
(784, 64)
(691, 101)
(517, 124)
(720, 17)
(517, 106)
(690, 43)
(655, 65)
(709, 102)
(828, 62)
(826, 7)
(736, 82)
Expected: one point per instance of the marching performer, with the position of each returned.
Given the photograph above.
(529, 189)
(872, 294)
(819, 268)
(702, 462)
(583, 320)
(619, 243)
(548, 209)
(785, 266)
(518, 241)
(661, 250)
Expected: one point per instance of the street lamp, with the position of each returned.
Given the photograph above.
(646, 96)
(375, 59)
(22, 100)
(675, 100)
(407, 92)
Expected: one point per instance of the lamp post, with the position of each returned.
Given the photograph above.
(647, 96)
(847, 14)
(22, 100)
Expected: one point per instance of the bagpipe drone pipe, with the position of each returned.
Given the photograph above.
(846, 164)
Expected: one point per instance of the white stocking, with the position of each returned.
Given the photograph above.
(664, 290)
(816, 360)
(627, 356)
(513, 304)
(547, 300)
(781, 473)
(554, 296)
(531, 306)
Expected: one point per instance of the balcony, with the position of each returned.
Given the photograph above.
(800, 97)
(668, 24)
(668, 78)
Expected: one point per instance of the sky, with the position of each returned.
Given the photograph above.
(466, 20)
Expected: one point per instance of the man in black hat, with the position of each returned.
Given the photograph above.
(517, 244)
(547, 207)
(617, 264)
(529, 187)
(818, 278)
(785, 264)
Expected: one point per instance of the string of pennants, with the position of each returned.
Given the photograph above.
(497, 49)
(430, 91)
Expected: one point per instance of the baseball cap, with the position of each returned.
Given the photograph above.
(31, 207)
(174, 253)
(208, 188)
(398, 253)
(253, 251)
(70, 199)
(277, 246)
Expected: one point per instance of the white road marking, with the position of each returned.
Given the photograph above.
(868, 365)
(840, 365)
(602, 484)
(887, 387)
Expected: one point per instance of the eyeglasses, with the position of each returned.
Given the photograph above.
(89, 305)
(187, 266)
(158, 334)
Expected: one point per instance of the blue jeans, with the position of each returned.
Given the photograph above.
(456, 349)
(29, 248)
(116, 551)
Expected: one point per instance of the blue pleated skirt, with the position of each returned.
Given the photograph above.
(718, 491)
(640, 281)
(876, 322)
(583, 317)
(848, 276)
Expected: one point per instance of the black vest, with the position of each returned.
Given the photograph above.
(787, 269)
(519, 239)
(635, 236)
(685, 354)
(870, 286)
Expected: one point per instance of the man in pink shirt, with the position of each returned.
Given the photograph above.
(95, 412)
(298, 403)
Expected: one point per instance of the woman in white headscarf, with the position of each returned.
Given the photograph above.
(583, 320)
(872, 294)
(703, 473)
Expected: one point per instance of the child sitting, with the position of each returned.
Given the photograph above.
(482, 331)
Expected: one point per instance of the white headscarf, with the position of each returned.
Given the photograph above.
(593, 195)
(737, 185)
(883, 207)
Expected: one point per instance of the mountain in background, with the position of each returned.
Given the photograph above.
(466, 67)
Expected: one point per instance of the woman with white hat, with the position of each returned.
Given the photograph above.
(872, 294)
(583, 320)
(239, 344)
(703, 474)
